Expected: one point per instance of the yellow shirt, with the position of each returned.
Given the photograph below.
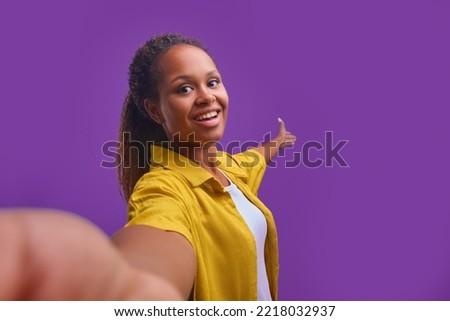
(178, 195)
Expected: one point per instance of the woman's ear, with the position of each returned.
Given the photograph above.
(153, 111)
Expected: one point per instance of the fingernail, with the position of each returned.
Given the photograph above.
(279, 120)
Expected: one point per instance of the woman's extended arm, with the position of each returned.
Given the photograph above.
(165, 254)
(271, 148)
(51, 255)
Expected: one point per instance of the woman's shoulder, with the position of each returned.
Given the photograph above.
(161, 177)
(249, 158)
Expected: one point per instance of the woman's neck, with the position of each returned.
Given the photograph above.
(204, 155)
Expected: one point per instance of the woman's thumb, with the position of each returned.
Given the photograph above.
(282, 129)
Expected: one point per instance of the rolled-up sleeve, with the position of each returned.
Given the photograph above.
(159, 205)
(254, 165)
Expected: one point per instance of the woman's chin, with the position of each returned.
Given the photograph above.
(199, 138)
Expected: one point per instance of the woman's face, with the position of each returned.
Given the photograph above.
(193, 101)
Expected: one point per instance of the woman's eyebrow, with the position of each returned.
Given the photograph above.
(187, 77)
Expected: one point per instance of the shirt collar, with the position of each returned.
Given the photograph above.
(194, 173)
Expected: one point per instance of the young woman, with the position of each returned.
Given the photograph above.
(196, 228)
(221, 236)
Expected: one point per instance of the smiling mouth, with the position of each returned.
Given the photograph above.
(207, 116)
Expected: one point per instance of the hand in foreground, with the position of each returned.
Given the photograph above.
(53, 255)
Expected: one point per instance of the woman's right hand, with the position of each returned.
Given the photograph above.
(54, 255)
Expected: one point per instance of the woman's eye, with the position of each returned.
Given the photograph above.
(213, 83)
(184, 90)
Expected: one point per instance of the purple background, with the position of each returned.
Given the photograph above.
(375, 74)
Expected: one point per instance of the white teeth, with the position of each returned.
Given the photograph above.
(207, 116)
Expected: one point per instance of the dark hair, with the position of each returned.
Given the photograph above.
(137, 129)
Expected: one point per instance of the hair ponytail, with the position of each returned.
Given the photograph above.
(137, 131)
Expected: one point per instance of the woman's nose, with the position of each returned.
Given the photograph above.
(205, 98)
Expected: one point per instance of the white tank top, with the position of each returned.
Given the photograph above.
(257, 223)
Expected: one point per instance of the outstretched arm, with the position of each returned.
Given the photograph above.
(167, 255)
(52, 255)
(271, 148)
